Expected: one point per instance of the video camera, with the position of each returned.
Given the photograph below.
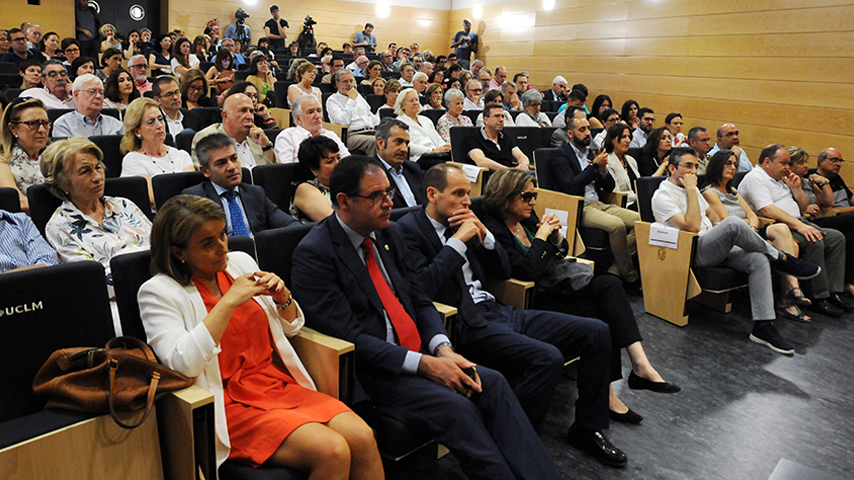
(241, 15)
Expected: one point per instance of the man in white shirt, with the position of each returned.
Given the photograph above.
(474, 96)
(86, 120)
(407, 71)
(641, 133)
(55, 92)
(359, 52)
(309, 117)
(347, 107)
(773, 191)
(609, 118)
(727, 139)
(732, 243)
(238, 122)
(166, 92)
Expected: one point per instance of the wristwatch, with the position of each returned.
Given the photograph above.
(439, 346)
(267, 148)
(286, 304)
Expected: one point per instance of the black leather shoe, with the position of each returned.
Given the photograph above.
(824, 307)
(634, 288)
(628, 417)
(597, 444)
(840, 302)
(639, 383)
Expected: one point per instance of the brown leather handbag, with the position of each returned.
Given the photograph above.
(123, 377)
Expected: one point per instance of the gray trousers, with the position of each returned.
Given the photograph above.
(732, 243)
(829, 254)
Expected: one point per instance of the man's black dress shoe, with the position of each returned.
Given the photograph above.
(824, 307)
(840, 302)
(597, 444)
(639, 383)
(628, 417)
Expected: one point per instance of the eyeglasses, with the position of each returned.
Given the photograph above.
(141, 65)
(72, 50)
(19, 39)
(731, 134)
(54, 74)
(475, 90)
(379, 196)
(528, 196)
(94, 91)
(34, 125)
(688, 166)
(196, 89)
(169, 95)
(836, 159)
(253, 96)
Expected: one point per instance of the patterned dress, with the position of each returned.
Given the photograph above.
(77, 237)
(25, 170)
(443, 126)
(296, 212)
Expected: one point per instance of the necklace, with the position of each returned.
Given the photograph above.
(154, 160)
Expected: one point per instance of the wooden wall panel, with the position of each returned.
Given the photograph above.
(779, 69)
(337, 20)
(51, 15)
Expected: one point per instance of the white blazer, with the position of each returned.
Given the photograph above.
(422, 138)
(621, 177)
(172, 315)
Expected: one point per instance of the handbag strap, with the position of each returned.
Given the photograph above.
(149, 402)
(130, 343)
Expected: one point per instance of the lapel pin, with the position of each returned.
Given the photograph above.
(386, 246)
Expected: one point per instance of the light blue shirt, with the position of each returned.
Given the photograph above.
(478, 294)
(369, 37)
(21, 244)
(224, 202)
(412, 359)
(75, 124)
(401, 184)
(744, 164)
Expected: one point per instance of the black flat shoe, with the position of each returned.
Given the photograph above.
(640, 383)
(628, 417)
(840, 302)
(597, 444)
(824, 307)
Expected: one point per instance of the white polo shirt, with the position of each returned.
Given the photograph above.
(671, 199)
(760, 191)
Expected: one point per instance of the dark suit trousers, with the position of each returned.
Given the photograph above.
(530, 348)
(845, 224)
(605, 299)
(489, 434)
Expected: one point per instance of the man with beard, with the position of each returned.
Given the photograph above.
(138, 69)
(55, 92)
(641, 133)
(577, 170)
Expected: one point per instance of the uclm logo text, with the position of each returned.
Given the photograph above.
(25, 308)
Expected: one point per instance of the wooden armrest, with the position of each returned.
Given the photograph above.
(572, 205)
(186, 420)
(618, 198)
(329, 361)
(282, 116)
(516, 293)
(668, 282)
(477, 185)
(765, 221)
(449, 319)
(340, 130)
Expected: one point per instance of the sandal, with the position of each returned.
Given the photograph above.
(800, 300)
(798, 317)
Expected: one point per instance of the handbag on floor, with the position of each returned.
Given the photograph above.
(125, 376)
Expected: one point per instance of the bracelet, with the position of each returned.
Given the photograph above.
(268, 147)
(286, 304)
(439, 346)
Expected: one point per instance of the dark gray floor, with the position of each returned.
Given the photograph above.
(742, 409)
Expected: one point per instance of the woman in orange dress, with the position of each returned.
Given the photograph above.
(213, 315)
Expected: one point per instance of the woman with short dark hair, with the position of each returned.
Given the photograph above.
(312, 201)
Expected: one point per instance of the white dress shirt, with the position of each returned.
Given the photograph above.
(288, 142)
(356, 114)
(423, 138)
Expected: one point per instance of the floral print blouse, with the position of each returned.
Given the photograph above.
(443, 126)
(25, 170)
(77, 237)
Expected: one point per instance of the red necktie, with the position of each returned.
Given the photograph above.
(402, 322)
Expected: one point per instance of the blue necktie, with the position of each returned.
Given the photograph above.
(237, 225)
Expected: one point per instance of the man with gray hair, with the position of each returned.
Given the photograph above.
(347, 107)
(359, 52)
(55, 92)
(393, 153)
(558, 91)
(700, 140)
(361, 63)
(532, 116)
(464, 44)
(34, 36)
(138, 69)
(87, 121)
(476, 67)
(387, 60)
(308, 114)
(427, 68)
(474, 96)
(511, 100)
(248, 211)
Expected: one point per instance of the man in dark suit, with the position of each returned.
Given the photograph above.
(453, 252)
(405, 176)
(247, 208)
(369, 295)
(577, 170)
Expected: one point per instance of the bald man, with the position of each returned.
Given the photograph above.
(238, 122)
(727, 139)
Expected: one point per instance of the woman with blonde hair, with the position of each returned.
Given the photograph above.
(214, 315)
(146, 154)
(111, 39)
(423, 137)
(304, 74)
(23, 134)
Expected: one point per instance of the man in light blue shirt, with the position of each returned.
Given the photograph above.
(366, 39)
(21, 244)
(728, 138)
(87, 121)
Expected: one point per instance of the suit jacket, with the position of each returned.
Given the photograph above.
(262, 213)
(438, 265)
(339, 299)
(415, 178)
(551, 96)
(570, 178)
(559, 138)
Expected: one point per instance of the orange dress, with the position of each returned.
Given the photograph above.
(263, 403)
